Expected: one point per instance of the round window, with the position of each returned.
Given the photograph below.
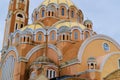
(106, 47)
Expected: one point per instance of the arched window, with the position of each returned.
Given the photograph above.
(8, 69)
(36, 16)
(53, 36)
(75, 35)
(106, 47)
(39, 37)
(49, 13)
(72, 14)
(78, 19)
(52, 13)
(28, 39)
(87, 35)
(63, 12)
(67, 37)
(20, 15)
(16, 26)
(24, 39)
(21, 26)
(43, 13)
(51, 73)
(17, 39)
(63, 37)
(87, 25)
(92, 63)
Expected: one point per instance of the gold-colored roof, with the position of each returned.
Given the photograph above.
(68, 2)
(57, 25)
(32, 26)
(69, 24)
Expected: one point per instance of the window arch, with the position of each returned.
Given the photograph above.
(51, 73)
(63, 37)
(52, 13)
(28, 39)
(21, 26)
(24, 39)
(106, 47)
(86, 34)
(53, 36)
(16, 26)
(75, 35)
(8, 68)
(67, 37)
(72, 14)
(43, 13)
(49, 13)
(39, 37)
(63, 12)
(20, 15)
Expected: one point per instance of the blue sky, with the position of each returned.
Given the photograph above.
(105, 15)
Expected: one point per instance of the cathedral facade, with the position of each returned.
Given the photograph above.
(58, 45)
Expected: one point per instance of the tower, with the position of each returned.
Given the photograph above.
(16, 19)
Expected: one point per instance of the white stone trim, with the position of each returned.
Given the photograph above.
(40, 30)
(40, 7)
(16, 31)
(86, 30)
(33, 50)
(20, 18)
(90, 39)
(11, 49)
(28, 30)
(106, 58)
(52, 29)
(65, 5)
(49, 31)
(76, 28)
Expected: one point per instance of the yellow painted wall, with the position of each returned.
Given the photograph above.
(111, 65)
(95, 49)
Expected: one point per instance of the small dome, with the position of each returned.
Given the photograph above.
(87, 22)
(91, 59)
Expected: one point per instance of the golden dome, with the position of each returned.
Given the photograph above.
(87, 22)
(68, 2)
(69, 24)
(32, 26)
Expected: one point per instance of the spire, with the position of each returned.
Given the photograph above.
(17, 20)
